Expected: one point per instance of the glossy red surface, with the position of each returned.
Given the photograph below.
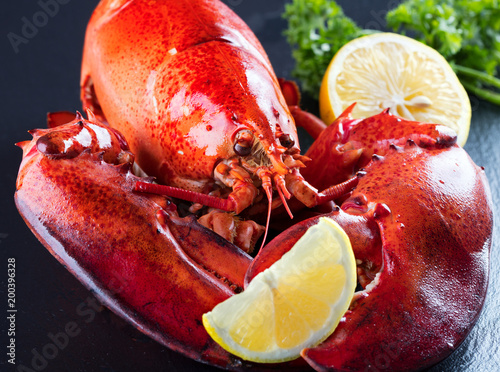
(158, 271)
(180, 79)
(414, 206)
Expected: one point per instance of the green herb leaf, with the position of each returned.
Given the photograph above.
(317, 29)
(465, 32)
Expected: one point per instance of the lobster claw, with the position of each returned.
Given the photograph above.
(82, 208)
(420, 223)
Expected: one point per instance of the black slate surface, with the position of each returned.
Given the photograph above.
(41, 75)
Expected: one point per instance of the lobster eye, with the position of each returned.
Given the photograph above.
(243, 143)
(242, 150)
(286, 141)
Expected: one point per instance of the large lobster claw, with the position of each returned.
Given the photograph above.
(420, 222)
(74, 190)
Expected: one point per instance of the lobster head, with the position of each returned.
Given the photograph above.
(201, 95)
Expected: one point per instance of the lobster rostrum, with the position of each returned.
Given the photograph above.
(184, 91)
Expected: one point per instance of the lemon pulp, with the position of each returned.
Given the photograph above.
(392, 71)
(294, 304)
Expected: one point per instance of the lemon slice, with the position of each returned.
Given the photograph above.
(294, 304)
(388, 70)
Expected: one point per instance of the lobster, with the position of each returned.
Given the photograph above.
(183, 91)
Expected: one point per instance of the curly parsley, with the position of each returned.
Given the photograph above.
(317, 29)
(465, 32)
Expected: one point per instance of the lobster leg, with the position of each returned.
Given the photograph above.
(311, 123)
(242, 233)
(228, 225)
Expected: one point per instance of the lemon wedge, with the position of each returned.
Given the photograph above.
(387, 70)
(296, 303)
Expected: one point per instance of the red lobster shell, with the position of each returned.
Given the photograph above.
(183, 122)
(422, 264)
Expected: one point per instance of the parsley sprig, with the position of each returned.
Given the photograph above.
(465, 32)
(317, 29)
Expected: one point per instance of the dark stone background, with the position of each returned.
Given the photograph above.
(43, 76)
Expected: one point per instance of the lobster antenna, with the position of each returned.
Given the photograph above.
(283, 201)
(269, 206)
(226, 205)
